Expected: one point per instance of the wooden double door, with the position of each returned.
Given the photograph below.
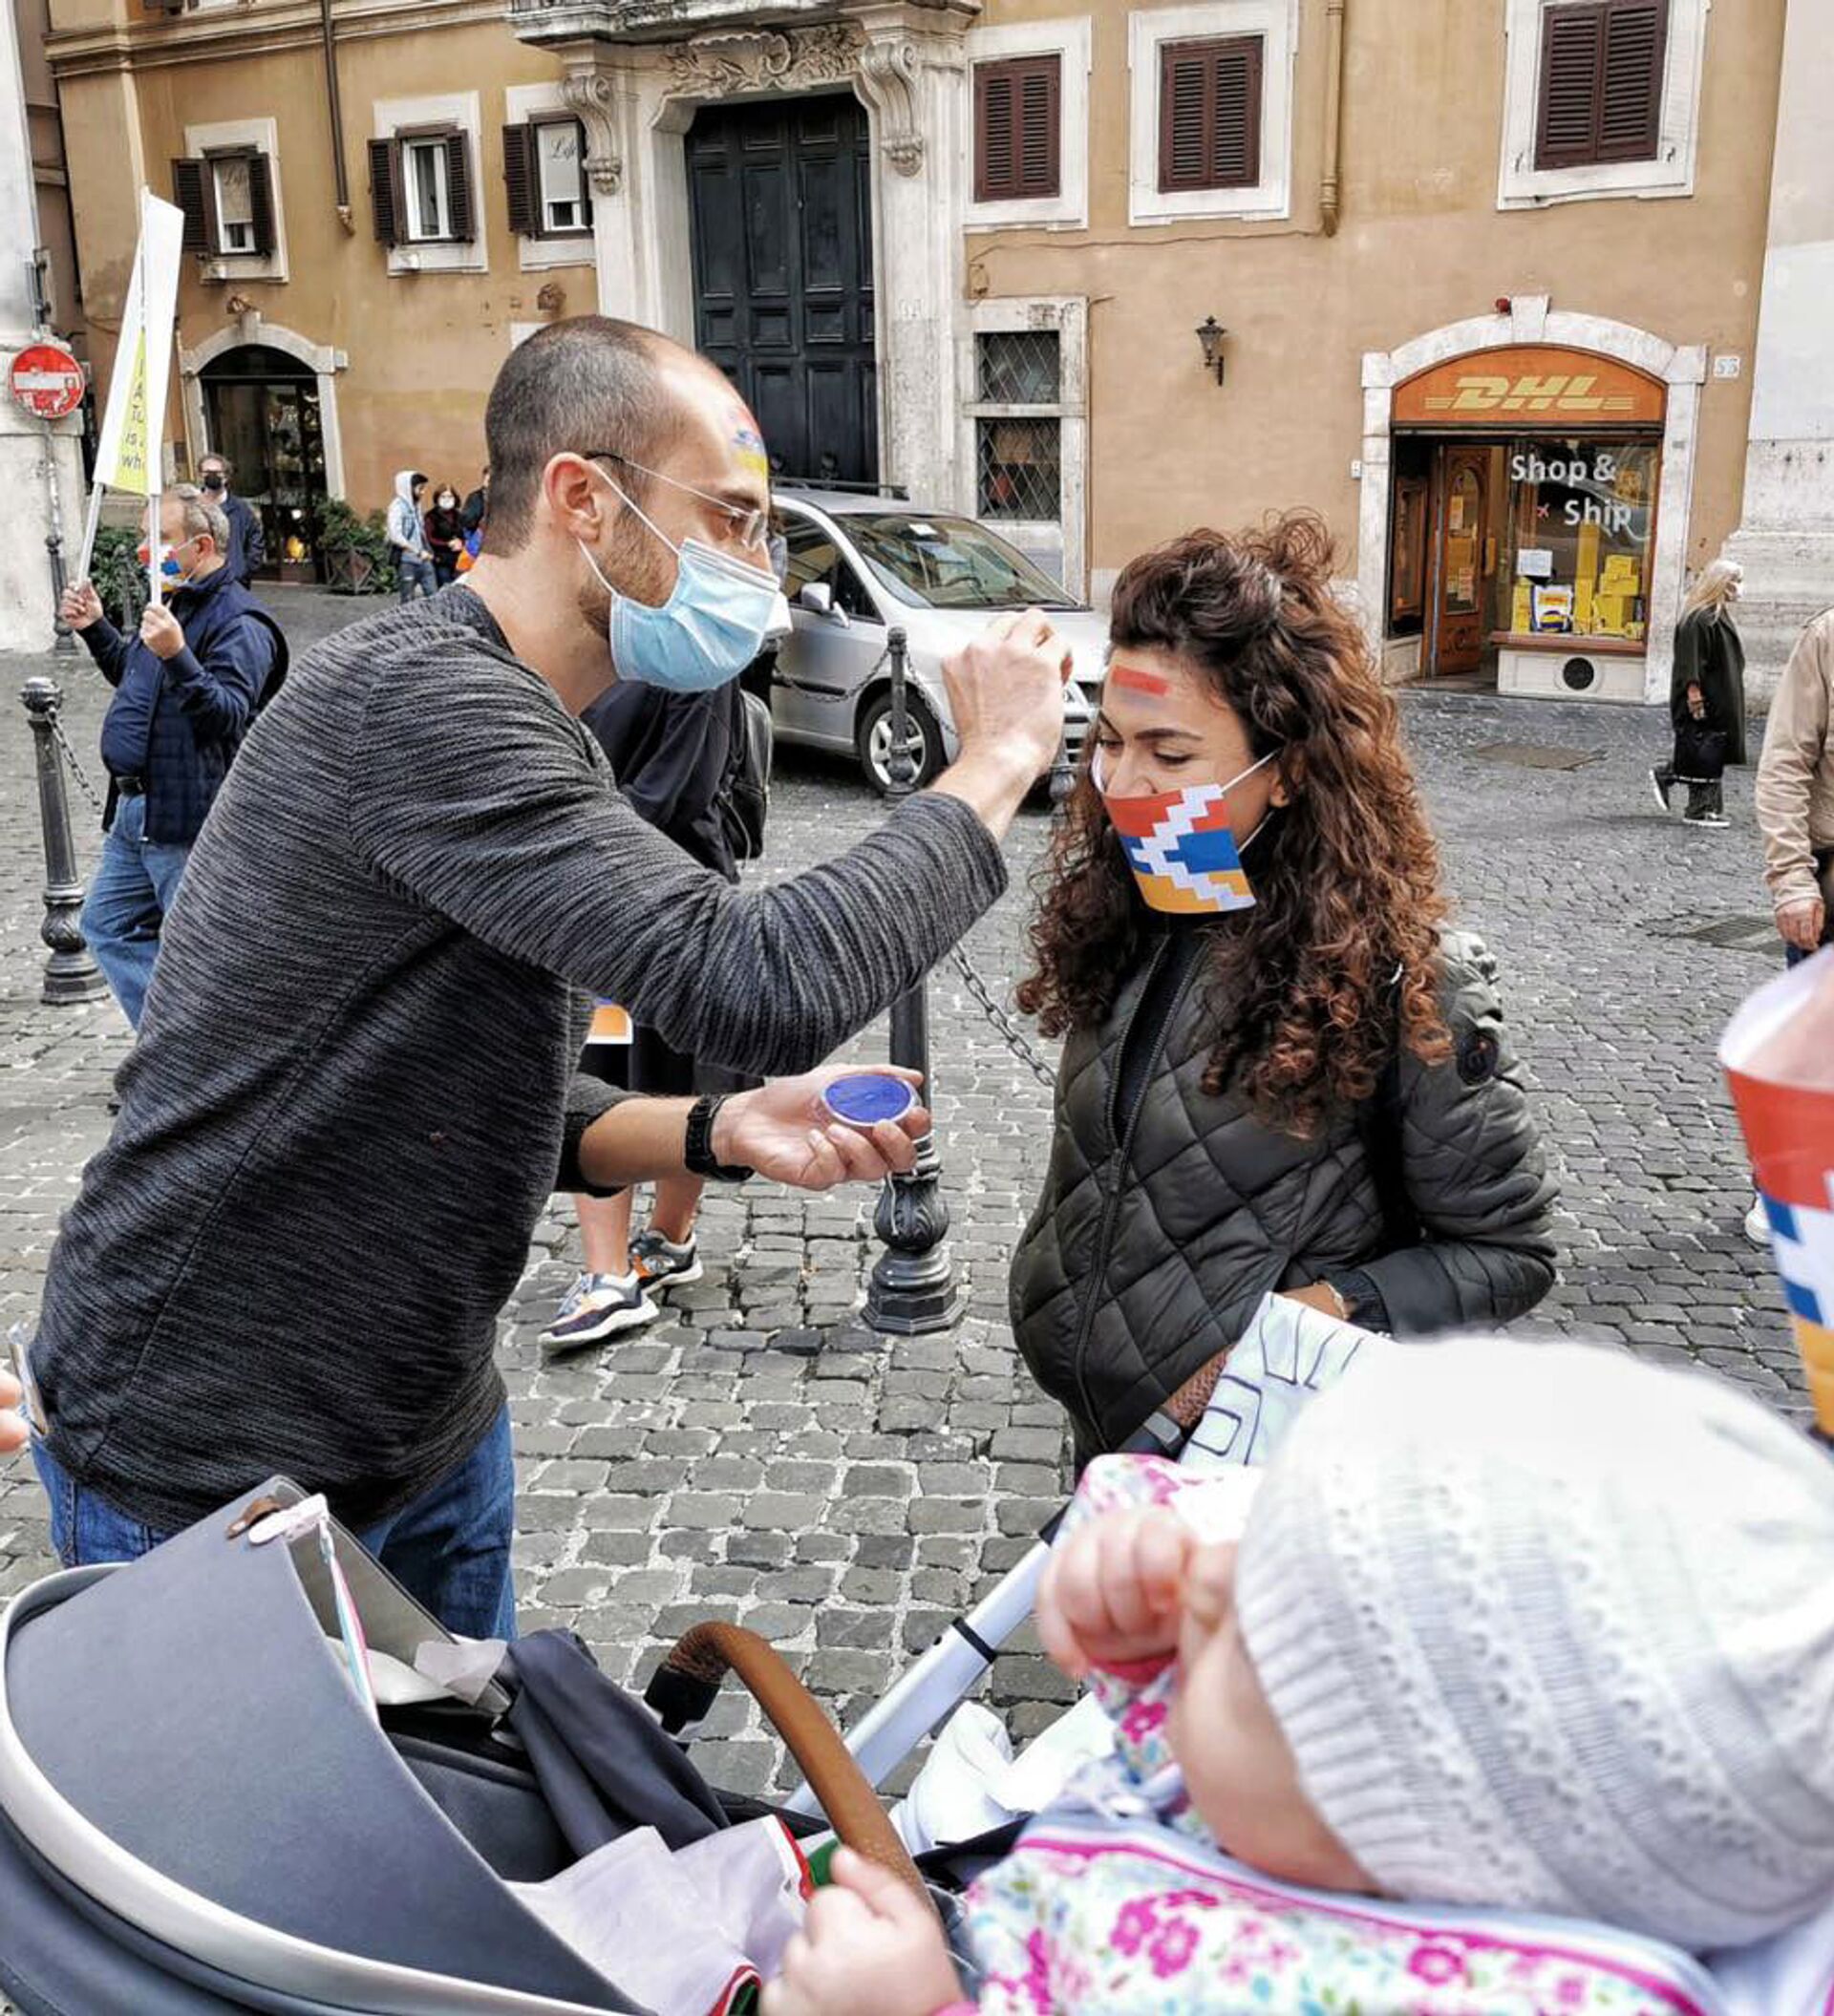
(780, 204)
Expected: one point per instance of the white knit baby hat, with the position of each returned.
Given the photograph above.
(1552, 1629)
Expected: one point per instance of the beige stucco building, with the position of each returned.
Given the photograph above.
(1488, 278)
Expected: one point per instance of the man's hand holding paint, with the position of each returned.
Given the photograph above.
(1006, 694)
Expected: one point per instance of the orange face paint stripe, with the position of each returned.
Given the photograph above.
(1137, 681)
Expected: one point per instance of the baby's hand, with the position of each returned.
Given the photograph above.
(868, 1942)
(1110, 1594)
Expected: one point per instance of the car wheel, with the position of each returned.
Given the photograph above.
(873, 743)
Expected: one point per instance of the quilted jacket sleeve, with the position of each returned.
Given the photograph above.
(1474, 1171)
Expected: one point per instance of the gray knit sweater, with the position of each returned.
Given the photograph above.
(355, 1087)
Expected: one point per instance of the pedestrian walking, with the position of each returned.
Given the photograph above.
(1706, 698)
(1795, 803)
(477, 502)
(186, 687)
(1282, 1072)
(356, 1088)
(674, 757)
(445, 530)
(407, 534)
(247, 550)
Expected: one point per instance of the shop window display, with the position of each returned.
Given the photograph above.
(1578, 533)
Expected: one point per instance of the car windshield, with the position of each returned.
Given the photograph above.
(950, 563)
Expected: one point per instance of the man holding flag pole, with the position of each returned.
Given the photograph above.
(188, 686)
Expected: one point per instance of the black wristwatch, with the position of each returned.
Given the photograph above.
(697, 1148)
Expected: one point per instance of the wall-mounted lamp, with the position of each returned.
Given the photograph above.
(1211, 334)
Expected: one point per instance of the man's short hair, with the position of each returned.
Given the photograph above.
(589, 382)
(222, 461)
(201, 515)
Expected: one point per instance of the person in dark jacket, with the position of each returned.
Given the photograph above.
(476, 503)
(445, 535)
(1282, 1072)
(1706, 698)
(185, 691)
(247, 551)
(674, 756)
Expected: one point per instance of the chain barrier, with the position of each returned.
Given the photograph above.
(1005, 1027)
(83, 784)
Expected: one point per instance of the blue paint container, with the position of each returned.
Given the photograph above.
(867, 1097)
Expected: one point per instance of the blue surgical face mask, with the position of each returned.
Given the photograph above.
(707, 632)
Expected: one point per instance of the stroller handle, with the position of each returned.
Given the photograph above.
(705, 1654)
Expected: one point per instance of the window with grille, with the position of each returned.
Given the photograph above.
(1018, 458)
(1600, 96)
(1209, 114)
(1016, 123)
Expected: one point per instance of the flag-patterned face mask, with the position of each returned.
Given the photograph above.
(1179, 846)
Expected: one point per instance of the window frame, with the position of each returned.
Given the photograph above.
(526, 106)
(204, 146)
(410, 142)
(1010, 185)
(1070, 40)
(1523, 186)
(1149, 33)
(583, 202)
(1058, 545)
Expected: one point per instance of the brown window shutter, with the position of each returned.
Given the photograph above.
(585, 179)
(520, 181)
(462, 215)
(385, 190)
(1600, 82)
(1629, 111)
(189, 179)
(1017, 120)
(260, 192)
(1209, 114)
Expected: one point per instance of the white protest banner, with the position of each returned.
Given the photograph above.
(127, 454)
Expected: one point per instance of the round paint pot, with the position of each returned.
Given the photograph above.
(867, 1097)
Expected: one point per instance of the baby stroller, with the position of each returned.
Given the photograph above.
(199, 1812)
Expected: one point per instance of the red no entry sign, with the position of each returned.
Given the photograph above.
(47, 381)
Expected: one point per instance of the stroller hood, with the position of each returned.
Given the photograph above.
(182, 1757)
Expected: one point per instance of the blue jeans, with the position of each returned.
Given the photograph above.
(137, 882)
(449, 1549)
(410, 574)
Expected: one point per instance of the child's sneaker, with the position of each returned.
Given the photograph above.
(598, 1306)
(661, 1263)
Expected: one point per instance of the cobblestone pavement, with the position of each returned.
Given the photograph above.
(760, 1456)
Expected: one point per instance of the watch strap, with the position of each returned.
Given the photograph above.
(697, 1145)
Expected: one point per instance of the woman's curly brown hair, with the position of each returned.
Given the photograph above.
(1346, 877)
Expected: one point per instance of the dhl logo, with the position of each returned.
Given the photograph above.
(1479, 391)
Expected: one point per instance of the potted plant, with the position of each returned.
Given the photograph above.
(356, 550)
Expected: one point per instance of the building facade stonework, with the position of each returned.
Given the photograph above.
(1093, 275)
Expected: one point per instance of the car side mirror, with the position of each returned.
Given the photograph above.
(817, 597)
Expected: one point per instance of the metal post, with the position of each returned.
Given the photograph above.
(66, 643)
(913, 1284)
(71, 974)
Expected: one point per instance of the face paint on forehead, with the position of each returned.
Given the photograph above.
(750, 444)
(1137, 679)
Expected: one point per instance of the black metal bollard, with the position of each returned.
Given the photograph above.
(913, 1283)
(71, 974)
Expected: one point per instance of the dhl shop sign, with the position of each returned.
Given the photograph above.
(1609, 494)
(1530, 385)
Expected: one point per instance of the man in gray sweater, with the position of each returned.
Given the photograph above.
(355, 1087)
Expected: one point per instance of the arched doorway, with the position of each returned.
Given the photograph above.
(261, 410)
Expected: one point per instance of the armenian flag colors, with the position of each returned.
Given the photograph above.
(1778, 1055)
(1181, 850)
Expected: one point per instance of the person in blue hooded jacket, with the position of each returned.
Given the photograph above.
(186, 687)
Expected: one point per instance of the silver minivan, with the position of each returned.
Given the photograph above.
(861, 564)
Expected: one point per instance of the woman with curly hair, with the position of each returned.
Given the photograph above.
(1282, 1071)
